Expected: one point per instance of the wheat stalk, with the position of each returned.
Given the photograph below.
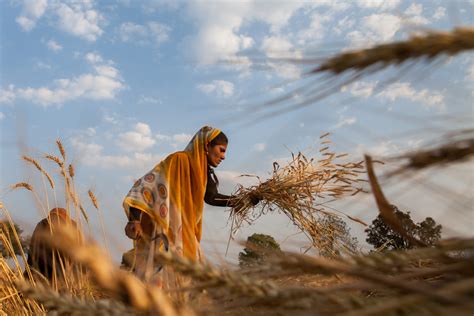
(38, 166)
(93, 199)
(61, 149)
(115, 282)
(429, 45)
(55, 159)
(65, 304)
(71, 171)
(206, 272)
(24, 185)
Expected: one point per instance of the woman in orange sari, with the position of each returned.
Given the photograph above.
(165, 206)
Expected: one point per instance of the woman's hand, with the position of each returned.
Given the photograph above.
(134, 230)
(255, 199)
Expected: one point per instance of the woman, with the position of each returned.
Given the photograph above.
(44, 258)
(165, 206)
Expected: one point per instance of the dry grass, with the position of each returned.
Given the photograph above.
(302, 190)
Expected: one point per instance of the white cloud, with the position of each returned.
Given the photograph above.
(345, 121)
(404, 90)
(375, 28)
(146, 99)
(142, 34)
(139, 139)
(174, 140)
(103, 84)
(182, 138)
(362, 89)
(439, 13)
(54, 46)
(414, 14)
(7, 96)
(470, 72)
(378, 4)
(93, 58)
(90, 131)
(32, 10)
(384, 148)
(344, 24)
(220, 88)
(129, 31)
(162, 137)
(79, 19)
(2, 116)
(42, 65)
(94, 156)
(280, 47)
(219, 23)
(384, 26)
(159, 32)
(110, 118)
(414, 9)
(259, 147)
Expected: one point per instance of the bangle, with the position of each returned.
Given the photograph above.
(134, 221)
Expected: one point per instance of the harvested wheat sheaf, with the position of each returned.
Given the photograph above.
(301, 191)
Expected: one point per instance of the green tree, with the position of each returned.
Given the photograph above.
(428, 231)
(380, 235)
(9, 232)
(257, 249)
(340, 240)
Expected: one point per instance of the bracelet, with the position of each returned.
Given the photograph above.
(135, 221)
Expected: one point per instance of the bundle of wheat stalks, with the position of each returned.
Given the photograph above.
(301, 190)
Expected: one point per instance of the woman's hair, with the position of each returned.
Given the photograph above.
(220, 139)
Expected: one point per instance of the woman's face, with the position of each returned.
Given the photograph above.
(215, 154)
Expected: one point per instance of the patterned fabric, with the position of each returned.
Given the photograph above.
(172, 194)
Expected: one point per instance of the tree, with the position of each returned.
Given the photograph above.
(9, 232)
(257, 249)
(340, 239)
(428, 231)
(380, 235)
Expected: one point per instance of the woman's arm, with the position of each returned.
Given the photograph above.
(212, 196)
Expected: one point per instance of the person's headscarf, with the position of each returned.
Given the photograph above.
(172, 194)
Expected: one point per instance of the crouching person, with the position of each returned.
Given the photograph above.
(44, 261)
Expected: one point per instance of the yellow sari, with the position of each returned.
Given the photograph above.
(172, 194)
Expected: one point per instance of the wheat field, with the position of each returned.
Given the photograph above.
(426, 280)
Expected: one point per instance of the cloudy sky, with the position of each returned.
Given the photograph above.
(124, 83)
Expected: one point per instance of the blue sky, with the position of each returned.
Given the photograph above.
(124, 83)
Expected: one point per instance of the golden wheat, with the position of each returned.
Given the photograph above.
(38, 166)
(61, 149)
(24, 185)
(93, 199)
